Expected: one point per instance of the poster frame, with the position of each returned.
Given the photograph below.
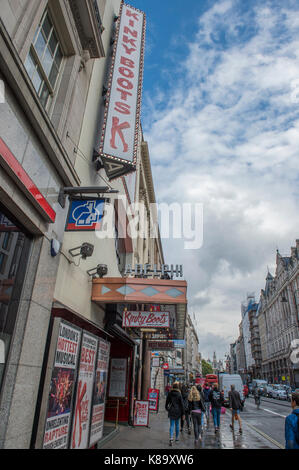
(75, 395)
(147, 421)
(90, 444)
(53, 343)
(125, 359)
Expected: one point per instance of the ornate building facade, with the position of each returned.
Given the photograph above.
(278, 319)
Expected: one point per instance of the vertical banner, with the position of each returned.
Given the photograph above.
(118, 146)
(82, 409)
(99, 393)
(62, 383)
(141, 413)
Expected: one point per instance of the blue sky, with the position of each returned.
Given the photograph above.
(220, 114)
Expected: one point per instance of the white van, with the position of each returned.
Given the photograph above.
(226, 380)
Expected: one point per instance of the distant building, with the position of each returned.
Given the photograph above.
(278, 319)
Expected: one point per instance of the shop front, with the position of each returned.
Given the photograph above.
(140, 313)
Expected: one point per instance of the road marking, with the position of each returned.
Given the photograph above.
(274, 412)
(264, 434)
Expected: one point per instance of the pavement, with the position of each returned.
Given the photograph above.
(156, 436)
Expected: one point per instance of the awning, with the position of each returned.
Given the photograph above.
(132, 290)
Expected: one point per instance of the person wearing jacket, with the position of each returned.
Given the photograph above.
(216, 398)
(185, 393)
(292, 424)
(235, 405)
(197, 408)
(175, 407)
(202, 398)
(206, 392)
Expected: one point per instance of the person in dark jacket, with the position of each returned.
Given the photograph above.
(202, 398)
(216, 398)
(235, 405)
(197, 408)
(206, 392)
(185, 393)
(175, 407)
(292, 424)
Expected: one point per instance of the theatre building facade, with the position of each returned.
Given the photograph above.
(81, 294)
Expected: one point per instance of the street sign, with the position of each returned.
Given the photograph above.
(165, 366)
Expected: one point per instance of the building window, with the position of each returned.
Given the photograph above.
(14, 253)
(44, 60)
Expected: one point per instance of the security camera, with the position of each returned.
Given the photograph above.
(102, 270)
(86, 250)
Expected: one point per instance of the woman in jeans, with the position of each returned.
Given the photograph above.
(175, 407)
(197, 408)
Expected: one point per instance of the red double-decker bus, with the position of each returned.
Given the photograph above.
(211, 379)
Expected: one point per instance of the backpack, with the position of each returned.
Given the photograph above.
(217, 398)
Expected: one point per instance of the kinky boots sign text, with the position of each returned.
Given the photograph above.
(145, 319)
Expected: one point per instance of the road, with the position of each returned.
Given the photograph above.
(269, 420)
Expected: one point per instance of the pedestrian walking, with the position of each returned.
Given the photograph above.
(197, 408)
(235, 405)
(216, 398)
(206, 393)
(202, 399)
(175, 407)
(187, 420)
(292, 424)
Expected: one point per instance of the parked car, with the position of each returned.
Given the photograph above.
(269, 391)
(280, 393)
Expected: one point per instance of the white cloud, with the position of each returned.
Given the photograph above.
(227, 136)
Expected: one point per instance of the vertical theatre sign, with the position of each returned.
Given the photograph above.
(118, 146)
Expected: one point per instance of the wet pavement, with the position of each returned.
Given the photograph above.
(156, 436)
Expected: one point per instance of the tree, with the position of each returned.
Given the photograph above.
(206, 367)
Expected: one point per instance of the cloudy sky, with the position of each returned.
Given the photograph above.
(221, 117)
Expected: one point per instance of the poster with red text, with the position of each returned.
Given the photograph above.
(62, 384)
(99, 393)
(141, 413)
(82, 409)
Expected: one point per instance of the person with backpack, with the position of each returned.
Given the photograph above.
(197, 408)
(292, 424)
(235, 405)
(216, 398)
(185, 393)
(175, 407)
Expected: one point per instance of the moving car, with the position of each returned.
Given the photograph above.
(261, 385)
